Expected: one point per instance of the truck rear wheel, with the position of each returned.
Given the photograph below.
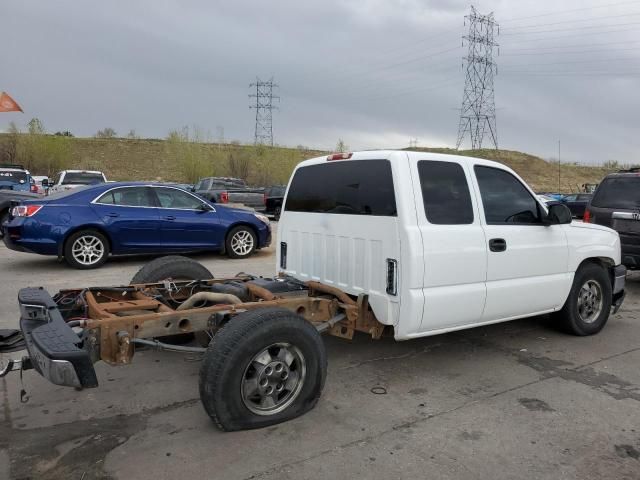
(587, 308)
(264, 367)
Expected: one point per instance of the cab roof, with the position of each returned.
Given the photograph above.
(389, 154)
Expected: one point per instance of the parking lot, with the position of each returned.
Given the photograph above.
(513, 400)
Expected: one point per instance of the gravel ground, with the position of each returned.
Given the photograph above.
(518, 400)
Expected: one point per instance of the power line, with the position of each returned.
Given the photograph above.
(478, 112)
(358, 72)
(582, 74)
(264, 110)
(397, 79)
(571, 52)
(518, 27)
(445, 83)
(556, 37)
(558, 12)
(626, 42)
(574, 28)
(602, 60)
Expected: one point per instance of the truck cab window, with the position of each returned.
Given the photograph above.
(445, 193)
(505, 198)
(353, 187)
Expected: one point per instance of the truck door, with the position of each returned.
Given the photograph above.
(455, 252)
(527, 261)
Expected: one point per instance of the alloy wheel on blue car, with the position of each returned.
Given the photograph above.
(86, 249)
(241, 242)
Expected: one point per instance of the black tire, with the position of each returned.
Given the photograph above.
(234, 251)
(230, 355)
(175, 267)
(276, 214)
(4, 216)
(571, 319)
(96, 238)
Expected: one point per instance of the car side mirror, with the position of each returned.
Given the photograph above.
(558, 214)
(205, 207)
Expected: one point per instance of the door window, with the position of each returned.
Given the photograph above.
(177, 199)
(505, 199)
(128, 197)
(445, 193)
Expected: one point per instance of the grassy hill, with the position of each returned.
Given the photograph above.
(184, 161)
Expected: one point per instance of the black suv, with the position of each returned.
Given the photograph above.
(616, 204)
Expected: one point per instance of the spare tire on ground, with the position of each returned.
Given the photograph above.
(172, 267)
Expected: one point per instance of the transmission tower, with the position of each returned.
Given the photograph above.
(264, 110)
(478, 112)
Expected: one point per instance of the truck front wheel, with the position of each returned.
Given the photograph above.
(587, 308)
(264, 367)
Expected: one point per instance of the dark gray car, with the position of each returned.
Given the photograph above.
(616, 204)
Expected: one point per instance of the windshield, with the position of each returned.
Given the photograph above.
(13, 176)
(618, 192)
(82, 178)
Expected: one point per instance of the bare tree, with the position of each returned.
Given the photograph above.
(107, 132)
(341, 146)
(239, 165)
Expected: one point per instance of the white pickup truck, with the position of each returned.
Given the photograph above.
(442, 243)
(70, 179)
(405, 243)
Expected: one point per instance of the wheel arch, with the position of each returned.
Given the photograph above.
(79, 228)
(605, 262)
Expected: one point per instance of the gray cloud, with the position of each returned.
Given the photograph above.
(372, 72)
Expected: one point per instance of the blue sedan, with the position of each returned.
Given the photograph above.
(85, 225)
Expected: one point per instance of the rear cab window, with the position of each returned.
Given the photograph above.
(618, 192)
(349, 187)
(445, 193)
(82, 178)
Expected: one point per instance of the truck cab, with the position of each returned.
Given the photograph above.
(440, 242)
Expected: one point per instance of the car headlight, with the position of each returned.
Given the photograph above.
(262, 218)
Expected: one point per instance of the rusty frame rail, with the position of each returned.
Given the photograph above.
(115, 319)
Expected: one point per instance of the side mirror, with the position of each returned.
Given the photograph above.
(559, 214)
(205, 207)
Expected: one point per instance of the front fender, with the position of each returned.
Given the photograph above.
(592, 241)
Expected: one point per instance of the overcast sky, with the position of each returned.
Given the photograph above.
(373, 72)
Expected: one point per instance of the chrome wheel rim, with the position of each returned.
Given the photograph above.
(87, 250)
(242, 242)
(590, 301)
(273, 379)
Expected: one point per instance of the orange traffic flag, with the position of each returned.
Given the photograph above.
(8, 104)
